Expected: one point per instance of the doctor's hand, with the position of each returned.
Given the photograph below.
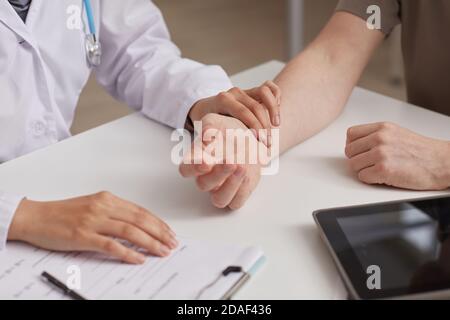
(229, 183)
(91, 223)
(384, 153)
(257, 108)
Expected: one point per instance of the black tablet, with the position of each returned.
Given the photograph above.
(391, 250)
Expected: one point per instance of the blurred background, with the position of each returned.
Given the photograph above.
(240, 34)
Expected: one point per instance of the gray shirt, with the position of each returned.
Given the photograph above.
(425, 43)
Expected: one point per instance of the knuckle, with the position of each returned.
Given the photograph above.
(381, 154)
(265, 89)
(104, 196)
(127, 231)
(223, 97)
(386, 125)
(110, 246)
(235, 91)
(381, 137)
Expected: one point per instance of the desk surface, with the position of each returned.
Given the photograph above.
(131, 158)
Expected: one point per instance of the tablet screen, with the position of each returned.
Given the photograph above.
(404, 246)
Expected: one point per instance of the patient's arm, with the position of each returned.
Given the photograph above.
(315, 87)
(318, 82)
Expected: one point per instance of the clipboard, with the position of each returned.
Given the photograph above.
(243, 279)
(246, 275)
(195, 270)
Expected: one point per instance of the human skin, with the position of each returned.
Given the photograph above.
(94, 222)
(315, 87)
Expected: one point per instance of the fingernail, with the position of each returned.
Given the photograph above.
(263, 138)
(276, 120)
(172, 234)
(164, 250)
(140, 258)
(173, 243)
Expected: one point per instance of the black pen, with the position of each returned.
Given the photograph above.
(65, 289)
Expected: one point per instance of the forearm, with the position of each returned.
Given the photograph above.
(317, 84)
(311, 99)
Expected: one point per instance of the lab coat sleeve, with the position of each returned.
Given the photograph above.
(8, 206)
(142, 67)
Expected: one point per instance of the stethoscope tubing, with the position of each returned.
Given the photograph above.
(90, 17)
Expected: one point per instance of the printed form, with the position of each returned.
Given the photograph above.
(192, 271)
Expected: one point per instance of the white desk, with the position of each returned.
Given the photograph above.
(131, 157)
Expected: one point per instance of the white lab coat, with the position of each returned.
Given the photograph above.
(43, 68)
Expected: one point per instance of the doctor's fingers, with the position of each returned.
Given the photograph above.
(118, 209)
(225, 194)
(229, 104)
(270, 95)
(111, 247)
(215, 178)
(261, 113)
(135, 236)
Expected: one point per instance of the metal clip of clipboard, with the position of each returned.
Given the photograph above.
(246, 275)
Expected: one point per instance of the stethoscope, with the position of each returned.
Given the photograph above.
(93, 46)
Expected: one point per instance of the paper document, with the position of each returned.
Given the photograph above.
(192, 271)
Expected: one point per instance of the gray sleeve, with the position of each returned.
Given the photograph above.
(390, 11)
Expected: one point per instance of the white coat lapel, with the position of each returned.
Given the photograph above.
(11, 20)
